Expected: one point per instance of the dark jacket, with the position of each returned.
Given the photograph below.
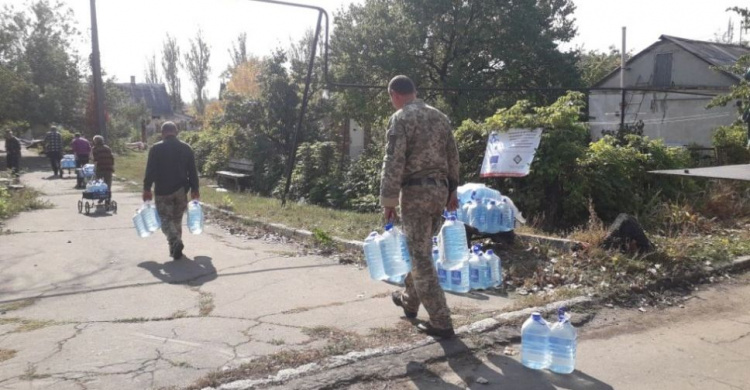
(171, 166)
(12, 146)
(105, 161)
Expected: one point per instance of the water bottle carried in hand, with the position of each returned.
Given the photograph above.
(195, 217)
(535, 342)
(373, 257)
(563, 339)
(391, 250)
(150, 216)
(140, 225)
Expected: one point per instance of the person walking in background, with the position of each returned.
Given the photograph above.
(104, 161)
(81, 149)
(53, 147)
(421, 165)
(13, 153)
(171, 170)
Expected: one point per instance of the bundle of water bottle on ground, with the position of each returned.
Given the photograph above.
(485, 209)
(458, 270)
(545, 346)
(147, 221)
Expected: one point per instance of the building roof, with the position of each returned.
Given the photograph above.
(713, 53)
(154, 95)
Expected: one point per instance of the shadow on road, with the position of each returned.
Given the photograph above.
(193, 272)
(501, 372)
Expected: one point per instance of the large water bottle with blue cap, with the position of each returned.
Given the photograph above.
(453, 241)
(442, 274)
(140, 225)
(505, 212)
(478, 216)
(494, 217)
(394, 264)
(435, 252)
(195, 217)
(404, 248)
(535, 342)
(150, 216)
(471, 210)
(373, 258)
(563, 339)
(496, 268)
(458, 275)
(478, 268)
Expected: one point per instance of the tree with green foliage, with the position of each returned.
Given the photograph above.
(151, 74)
(40, 71)
(454, 44)
(170, 63)
(198, 67)
(593, 65)
(731, 141)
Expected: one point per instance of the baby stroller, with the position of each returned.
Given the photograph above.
(96, 190)
(84, 175)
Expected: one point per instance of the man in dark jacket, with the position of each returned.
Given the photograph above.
(13, 150)
(171, 169)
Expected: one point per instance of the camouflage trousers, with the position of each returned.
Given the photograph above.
(421, 214)
(170, 208)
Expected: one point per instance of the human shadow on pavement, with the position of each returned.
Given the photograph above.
(192, 272)
(500, 372)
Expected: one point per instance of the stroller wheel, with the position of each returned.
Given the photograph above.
(114, 206)
(80, 206)
(88, 207)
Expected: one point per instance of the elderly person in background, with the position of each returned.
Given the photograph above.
(104, 161)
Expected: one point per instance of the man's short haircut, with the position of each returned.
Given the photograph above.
(402, 85)
(53, 128)
(98, 140)
(77, 134)
(168, 127)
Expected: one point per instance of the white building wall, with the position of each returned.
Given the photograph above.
(678, 119)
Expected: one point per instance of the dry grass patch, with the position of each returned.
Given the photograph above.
(26, 325)
(7, 354)
(17, 305)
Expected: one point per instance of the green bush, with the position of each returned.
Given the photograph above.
(318, 175)
(618, 178)
(731, 144)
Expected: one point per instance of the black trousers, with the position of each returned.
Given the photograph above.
(54, 160)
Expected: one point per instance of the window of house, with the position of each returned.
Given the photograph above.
(663, 70)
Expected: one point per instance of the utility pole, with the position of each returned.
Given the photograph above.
(622, 81)
(96, 69)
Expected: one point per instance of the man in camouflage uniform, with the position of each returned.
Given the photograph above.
(420, 164)
(171, 169)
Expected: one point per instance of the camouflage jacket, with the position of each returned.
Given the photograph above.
(419, 144)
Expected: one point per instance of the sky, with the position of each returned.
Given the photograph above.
(132, 30)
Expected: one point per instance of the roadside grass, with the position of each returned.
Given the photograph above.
(324, 222)
(15, 201)
(17, 305)
(26, 325)
(338, 342)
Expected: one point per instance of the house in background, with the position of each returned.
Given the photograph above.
(675, 83)
(156, 99)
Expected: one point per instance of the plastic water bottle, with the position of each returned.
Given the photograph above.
(150, 216)
(494, 217)
(509, 217)
(496, 268)
(562, 344)
(404, 248)
(140, 225)
(477, 269)
(435, 252)
(535, 342)
(504, 211)
(443, 276)
(195, 217)
(373, 257)
(394, 264)
(465, 212)
(103, 187)
(458, 274)
(471, 212)
(479, 216)
(453, 240)
(398, 279)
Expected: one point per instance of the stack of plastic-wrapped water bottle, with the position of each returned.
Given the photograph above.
(485, 209)
(387, 255)
(551, 347)
(97, 186)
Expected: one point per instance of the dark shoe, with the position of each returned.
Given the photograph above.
(429, 330)
(396, 297)
(177, 252)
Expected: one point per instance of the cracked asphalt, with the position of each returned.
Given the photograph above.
(87, 304)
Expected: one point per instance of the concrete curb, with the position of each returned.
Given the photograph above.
(332, 362)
